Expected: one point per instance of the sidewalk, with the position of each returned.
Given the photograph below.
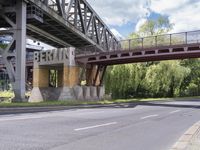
(190, 140)
(194, 144)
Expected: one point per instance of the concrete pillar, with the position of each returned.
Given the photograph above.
(101, 92)
(19, 85)
(78, 90)
(93, 93)
(70, 76)
(40, 77)
(60, 77)
(86, 93)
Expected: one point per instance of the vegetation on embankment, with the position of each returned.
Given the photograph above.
(82, 103)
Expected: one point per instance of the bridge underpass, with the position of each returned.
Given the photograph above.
(66, 23)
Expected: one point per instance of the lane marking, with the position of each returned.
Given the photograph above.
(150, 116)
(96, 126)
(40, 115)
(20, 118)
(175, 111)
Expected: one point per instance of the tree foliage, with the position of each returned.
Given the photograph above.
(154, 79)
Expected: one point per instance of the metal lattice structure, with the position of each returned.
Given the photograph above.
(59, 23)
(77, 15)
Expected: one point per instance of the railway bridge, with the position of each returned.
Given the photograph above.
(59, 23)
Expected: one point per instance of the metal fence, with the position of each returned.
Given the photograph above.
(161, 40)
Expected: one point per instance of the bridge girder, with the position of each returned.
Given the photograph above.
(82, 19)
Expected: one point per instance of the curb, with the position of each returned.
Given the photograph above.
(186, 138)
(33, 109)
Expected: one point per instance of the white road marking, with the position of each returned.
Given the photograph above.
(15, 117)
(175, 111)
(150, 116)
(96, 126)
(20, 118)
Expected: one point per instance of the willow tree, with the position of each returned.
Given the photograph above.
(149, 29)
(125, 81)
(165, 78)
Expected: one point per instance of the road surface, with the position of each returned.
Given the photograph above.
(147, 126)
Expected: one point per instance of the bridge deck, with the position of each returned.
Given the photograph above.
(154, 48)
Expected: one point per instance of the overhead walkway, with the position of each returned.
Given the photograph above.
(154, 48)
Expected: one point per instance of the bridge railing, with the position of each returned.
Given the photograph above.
(182, 38)
(159, 41)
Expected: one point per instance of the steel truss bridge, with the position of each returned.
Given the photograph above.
(153, 48)
(60, 23)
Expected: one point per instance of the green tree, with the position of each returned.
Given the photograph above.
(149, 30)
(165, 78)
(152, 27)
(191, 85)
(125, 81)
(153, 79)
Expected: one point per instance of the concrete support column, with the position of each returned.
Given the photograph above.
(91, 74)
(19, 85)
(40, 77)
(60, 77)
(70, 76)
(40, 80)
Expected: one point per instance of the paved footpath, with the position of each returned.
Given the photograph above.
(190, 140)
(194, 144)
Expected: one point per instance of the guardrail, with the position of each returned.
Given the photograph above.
(159, 41)
(182, 38)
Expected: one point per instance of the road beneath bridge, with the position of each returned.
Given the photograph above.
(151, 125)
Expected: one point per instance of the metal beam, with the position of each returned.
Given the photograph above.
(47, 35)
(60, 8)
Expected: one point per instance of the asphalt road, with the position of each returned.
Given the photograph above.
(148, 126)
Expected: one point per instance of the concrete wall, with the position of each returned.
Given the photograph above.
(81, 93)
(40, 77)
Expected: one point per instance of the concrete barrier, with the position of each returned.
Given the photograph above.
(67, 93)
(78, 90)
(36, 96)
(93, 93)
(86, 93)
(101, 92)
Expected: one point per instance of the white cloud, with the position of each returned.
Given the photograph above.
(117, 34)
(119, 12)
(183, 13)
(140, 23)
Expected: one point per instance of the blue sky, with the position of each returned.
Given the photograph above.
(130, 27)
(125, 16)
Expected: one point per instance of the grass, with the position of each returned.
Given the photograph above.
(6, 94)
(7, 103)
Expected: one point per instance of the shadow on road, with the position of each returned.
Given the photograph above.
(178, 104)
